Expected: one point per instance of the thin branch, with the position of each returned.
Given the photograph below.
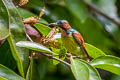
(91, 6)
(29, 38)
(41, 13)
(51, 57)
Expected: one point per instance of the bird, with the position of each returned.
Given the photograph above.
(72, 40)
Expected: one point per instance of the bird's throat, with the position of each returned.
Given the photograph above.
(64, 33)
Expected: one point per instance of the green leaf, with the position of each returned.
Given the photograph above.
(32, 73)
(6, 56)
(79, 70)
(33, 46)
(83, 70)
(17, 33)
(25, 13)
(36, 70)
(39, 68)
(78, 8)
(9, 74)
(2, 78)
(93, 51)
(115, 77)
(42, 28)
(4, 24)
(109, 63)
(94, 75)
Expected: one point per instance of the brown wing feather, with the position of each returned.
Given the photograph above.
(78, 38)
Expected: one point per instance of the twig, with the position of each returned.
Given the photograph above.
(32, 19)
(51, 57)
(41, 13)
(29, 37)
(91, 6)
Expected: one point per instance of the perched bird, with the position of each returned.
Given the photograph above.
(72, 40)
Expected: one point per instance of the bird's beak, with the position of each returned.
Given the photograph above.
(53, 24)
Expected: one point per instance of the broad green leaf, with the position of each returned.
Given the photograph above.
(4, 23)
(2, 78)
(9, 74)
(6, 56)
(92, 72)
(78, 8)
(109, 63)
(17, 33)
(80, 71)
(42, 28)
(94, 75)
(93, 51)
(33, 46)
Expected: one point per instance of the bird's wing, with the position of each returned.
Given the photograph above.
(78, 38)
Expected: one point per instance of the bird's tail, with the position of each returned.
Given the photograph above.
(86, 52)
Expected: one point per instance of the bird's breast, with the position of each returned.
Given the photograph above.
(70, 44)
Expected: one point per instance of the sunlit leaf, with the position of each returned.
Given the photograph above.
(79, 67)
(42, 28)
(2, 78)
(93, 51)
(109, 63)
(79, 70)
(33, 46)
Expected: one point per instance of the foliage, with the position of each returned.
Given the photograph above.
(34, 50)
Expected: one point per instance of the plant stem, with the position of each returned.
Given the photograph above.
(51, 57)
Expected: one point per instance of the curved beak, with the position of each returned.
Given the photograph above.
(53, 24)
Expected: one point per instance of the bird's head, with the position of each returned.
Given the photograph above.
(63, 24)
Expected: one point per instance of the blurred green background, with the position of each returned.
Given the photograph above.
(95, 29)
